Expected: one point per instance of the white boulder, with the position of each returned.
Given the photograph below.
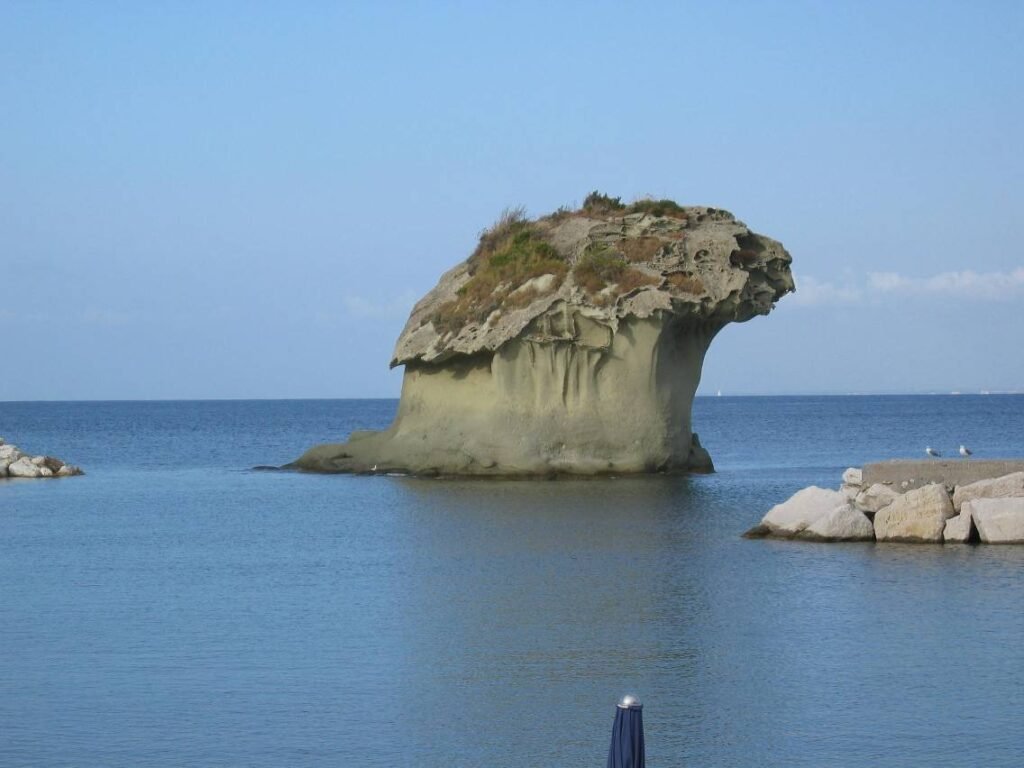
(10, 453)
(875, 498)
(851, 484)
(14, 463)
(999, 521)
(800, 510)
(23, 467)
(853, 476)
(917, 515)
(842, 523)
(958, 529)
(995, 488)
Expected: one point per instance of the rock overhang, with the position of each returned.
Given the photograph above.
(698, 263)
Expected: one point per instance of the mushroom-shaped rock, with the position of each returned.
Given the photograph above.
(570, 344)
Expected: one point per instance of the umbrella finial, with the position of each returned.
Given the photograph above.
(629, 701)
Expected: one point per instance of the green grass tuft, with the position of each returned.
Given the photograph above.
(658, 208)
(597, 203)
(510, 253)
(601, 266)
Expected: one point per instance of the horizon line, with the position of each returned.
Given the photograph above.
(710, 396)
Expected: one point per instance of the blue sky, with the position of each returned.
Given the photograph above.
(244, 199)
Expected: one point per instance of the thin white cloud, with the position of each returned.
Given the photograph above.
(811, 292)
(965, 285)
(105, 317)
(360, 306)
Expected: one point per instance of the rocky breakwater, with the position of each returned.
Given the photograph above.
(572, 343)
(15, 463)
(988, 511)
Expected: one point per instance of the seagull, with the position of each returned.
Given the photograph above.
(965, 451)
(931, 451)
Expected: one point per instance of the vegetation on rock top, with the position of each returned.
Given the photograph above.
(601, 204)
(602, 266)
(515, 250)
(510, 253)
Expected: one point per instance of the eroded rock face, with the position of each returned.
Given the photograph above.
(588, 367)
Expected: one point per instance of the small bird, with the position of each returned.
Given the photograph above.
(931, 451)
(965, 451)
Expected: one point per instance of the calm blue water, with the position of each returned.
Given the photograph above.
(172, 608)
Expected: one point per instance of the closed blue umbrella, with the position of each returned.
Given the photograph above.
(627, 749)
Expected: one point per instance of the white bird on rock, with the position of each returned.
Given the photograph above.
(931, 451)
(965, 451)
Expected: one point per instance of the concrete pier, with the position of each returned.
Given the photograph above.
(907, 474)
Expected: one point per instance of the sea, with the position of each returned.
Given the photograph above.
(174, 607)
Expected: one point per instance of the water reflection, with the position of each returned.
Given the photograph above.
(538, 603)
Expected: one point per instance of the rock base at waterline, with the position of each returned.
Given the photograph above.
(537, 408)
(15, 463)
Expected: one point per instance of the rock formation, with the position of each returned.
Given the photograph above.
(15, 463)
(569, 344)
(991, 510)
